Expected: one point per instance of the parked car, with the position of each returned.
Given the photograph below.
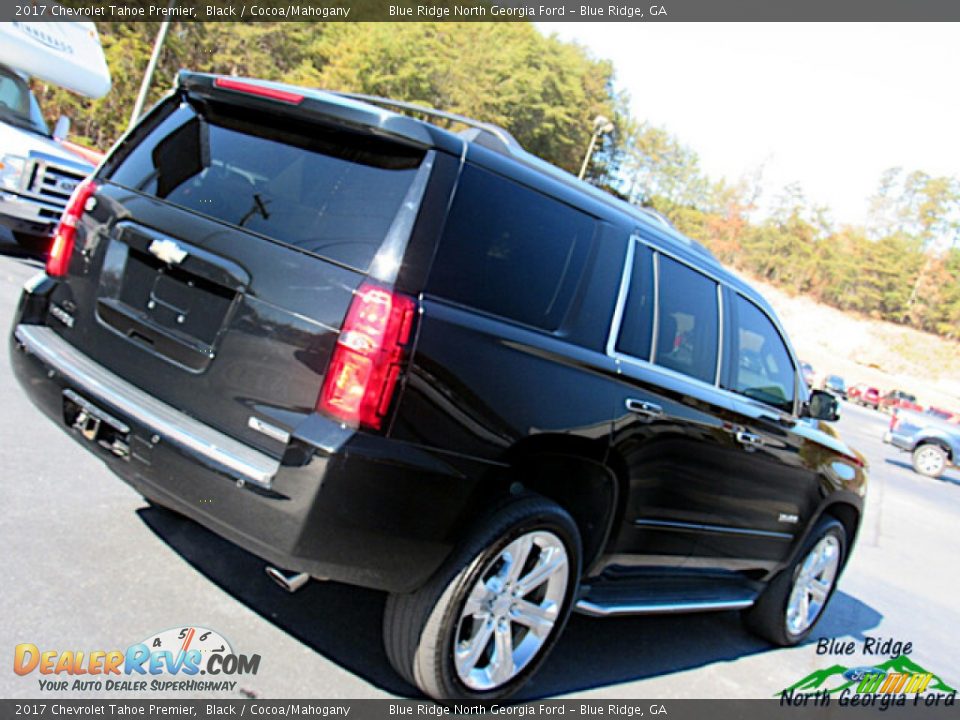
(897, 399)
(941, 414)
(429, 363)
(808, 374)
(933, 443)
(835, 385)
(865, 395)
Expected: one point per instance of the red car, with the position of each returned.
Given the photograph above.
(865, 395)
(899, 400)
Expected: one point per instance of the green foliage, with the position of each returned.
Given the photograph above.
(543, 91)
(904, 267)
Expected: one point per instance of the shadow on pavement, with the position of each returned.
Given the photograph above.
(33, 250)
(342, 623)
(946, 477)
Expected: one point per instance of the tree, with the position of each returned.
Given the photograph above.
(543, 91)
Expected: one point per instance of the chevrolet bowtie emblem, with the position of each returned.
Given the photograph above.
(168, 251)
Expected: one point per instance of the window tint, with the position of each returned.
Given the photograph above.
(687, 331)
(636, 326)
(511, 251)
(762, 370)
(329, 192)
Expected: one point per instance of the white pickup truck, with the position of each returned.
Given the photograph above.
(38, 171)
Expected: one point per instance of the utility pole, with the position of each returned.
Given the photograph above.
(151, 67)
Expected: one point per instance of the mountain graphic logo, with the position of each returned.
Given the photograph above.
(837, 678)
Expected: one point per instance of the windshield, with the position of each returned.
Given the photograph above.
(17, 104)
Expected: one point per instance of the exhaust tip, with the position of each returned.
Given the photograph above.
(290, 583)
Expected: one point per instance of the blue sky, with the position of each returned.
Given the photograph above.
(827, 105)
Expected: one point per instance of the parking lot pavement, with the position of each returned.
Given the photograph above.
(86, 564)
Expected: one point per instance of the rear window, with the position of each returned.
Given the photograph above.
(329, 192)
(511, 251)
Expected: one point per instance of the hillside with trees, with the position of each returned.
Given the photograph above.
(904, 267)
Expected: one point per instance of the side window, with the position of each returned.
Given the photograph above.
(636, 326)
(687, 332)
(762, 368)
(511, 251)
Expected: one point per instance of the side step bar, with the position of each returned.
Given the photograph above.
(663, 595)
(654, 607)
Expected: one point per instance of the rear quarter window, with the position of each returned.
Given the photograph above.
(511, 251)
(330, 192)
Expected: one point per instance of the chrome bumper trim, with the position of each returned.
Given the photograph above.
(191, 436)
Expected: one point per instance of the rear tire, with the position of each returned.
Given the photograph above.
(790, 606)
(929, 460)
(488, 618)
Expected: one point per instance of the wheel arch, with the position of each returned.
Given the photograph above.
(573, 472)
(846, 509)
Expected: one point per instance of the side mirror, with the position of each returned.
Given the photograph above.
(62, 128)
(823, 406)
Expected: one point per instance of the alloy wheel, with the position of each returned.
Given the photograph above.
(511, 610)
(813, 583)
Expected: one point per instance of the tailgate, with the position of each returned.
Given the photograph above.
(221, 257)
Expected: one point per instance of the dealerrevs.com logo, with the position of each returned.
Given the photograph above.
(169, 661)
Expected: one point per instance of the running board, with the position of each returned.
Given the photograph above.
(657, 596)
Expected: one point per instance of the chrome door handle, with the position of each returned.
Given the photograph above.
(749, 439)
(642, 407)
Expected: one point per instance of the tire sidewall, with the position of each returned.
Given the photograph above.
(767, 617)
(446, 613)
(943, 460)
(827, 526)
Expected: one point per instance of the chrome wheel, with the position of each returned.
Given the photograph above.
(511, 610)
(812, 585)
(929, 460)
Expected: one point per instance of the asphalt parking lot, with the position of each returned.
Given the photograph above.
(86, 564)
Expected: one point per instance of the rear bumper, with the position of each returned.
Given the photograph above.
(351, 507)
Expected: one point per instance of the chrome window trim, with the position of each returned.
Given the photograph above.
(626, 277)
(650, 363)
(720, 338)
(655, 332)
(618, 310)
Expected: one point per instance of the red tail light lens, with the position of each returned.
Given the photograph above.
(62, 247)
(365, 365)
(893, 419)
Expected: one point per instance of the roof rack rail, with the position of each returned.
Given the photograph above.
(509, 142)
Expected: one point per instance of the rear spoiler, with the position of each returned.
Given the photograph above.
(317, 105)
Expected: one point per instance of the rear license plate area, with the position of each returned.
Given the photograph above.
(177, 310)
(175, 299)
(96, 425)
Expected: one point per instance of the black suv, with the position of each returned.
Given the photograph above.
(372, 350)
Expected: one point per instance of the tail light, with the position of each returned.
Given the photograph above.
(365, 364)
(62, 247)
(894, 420)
